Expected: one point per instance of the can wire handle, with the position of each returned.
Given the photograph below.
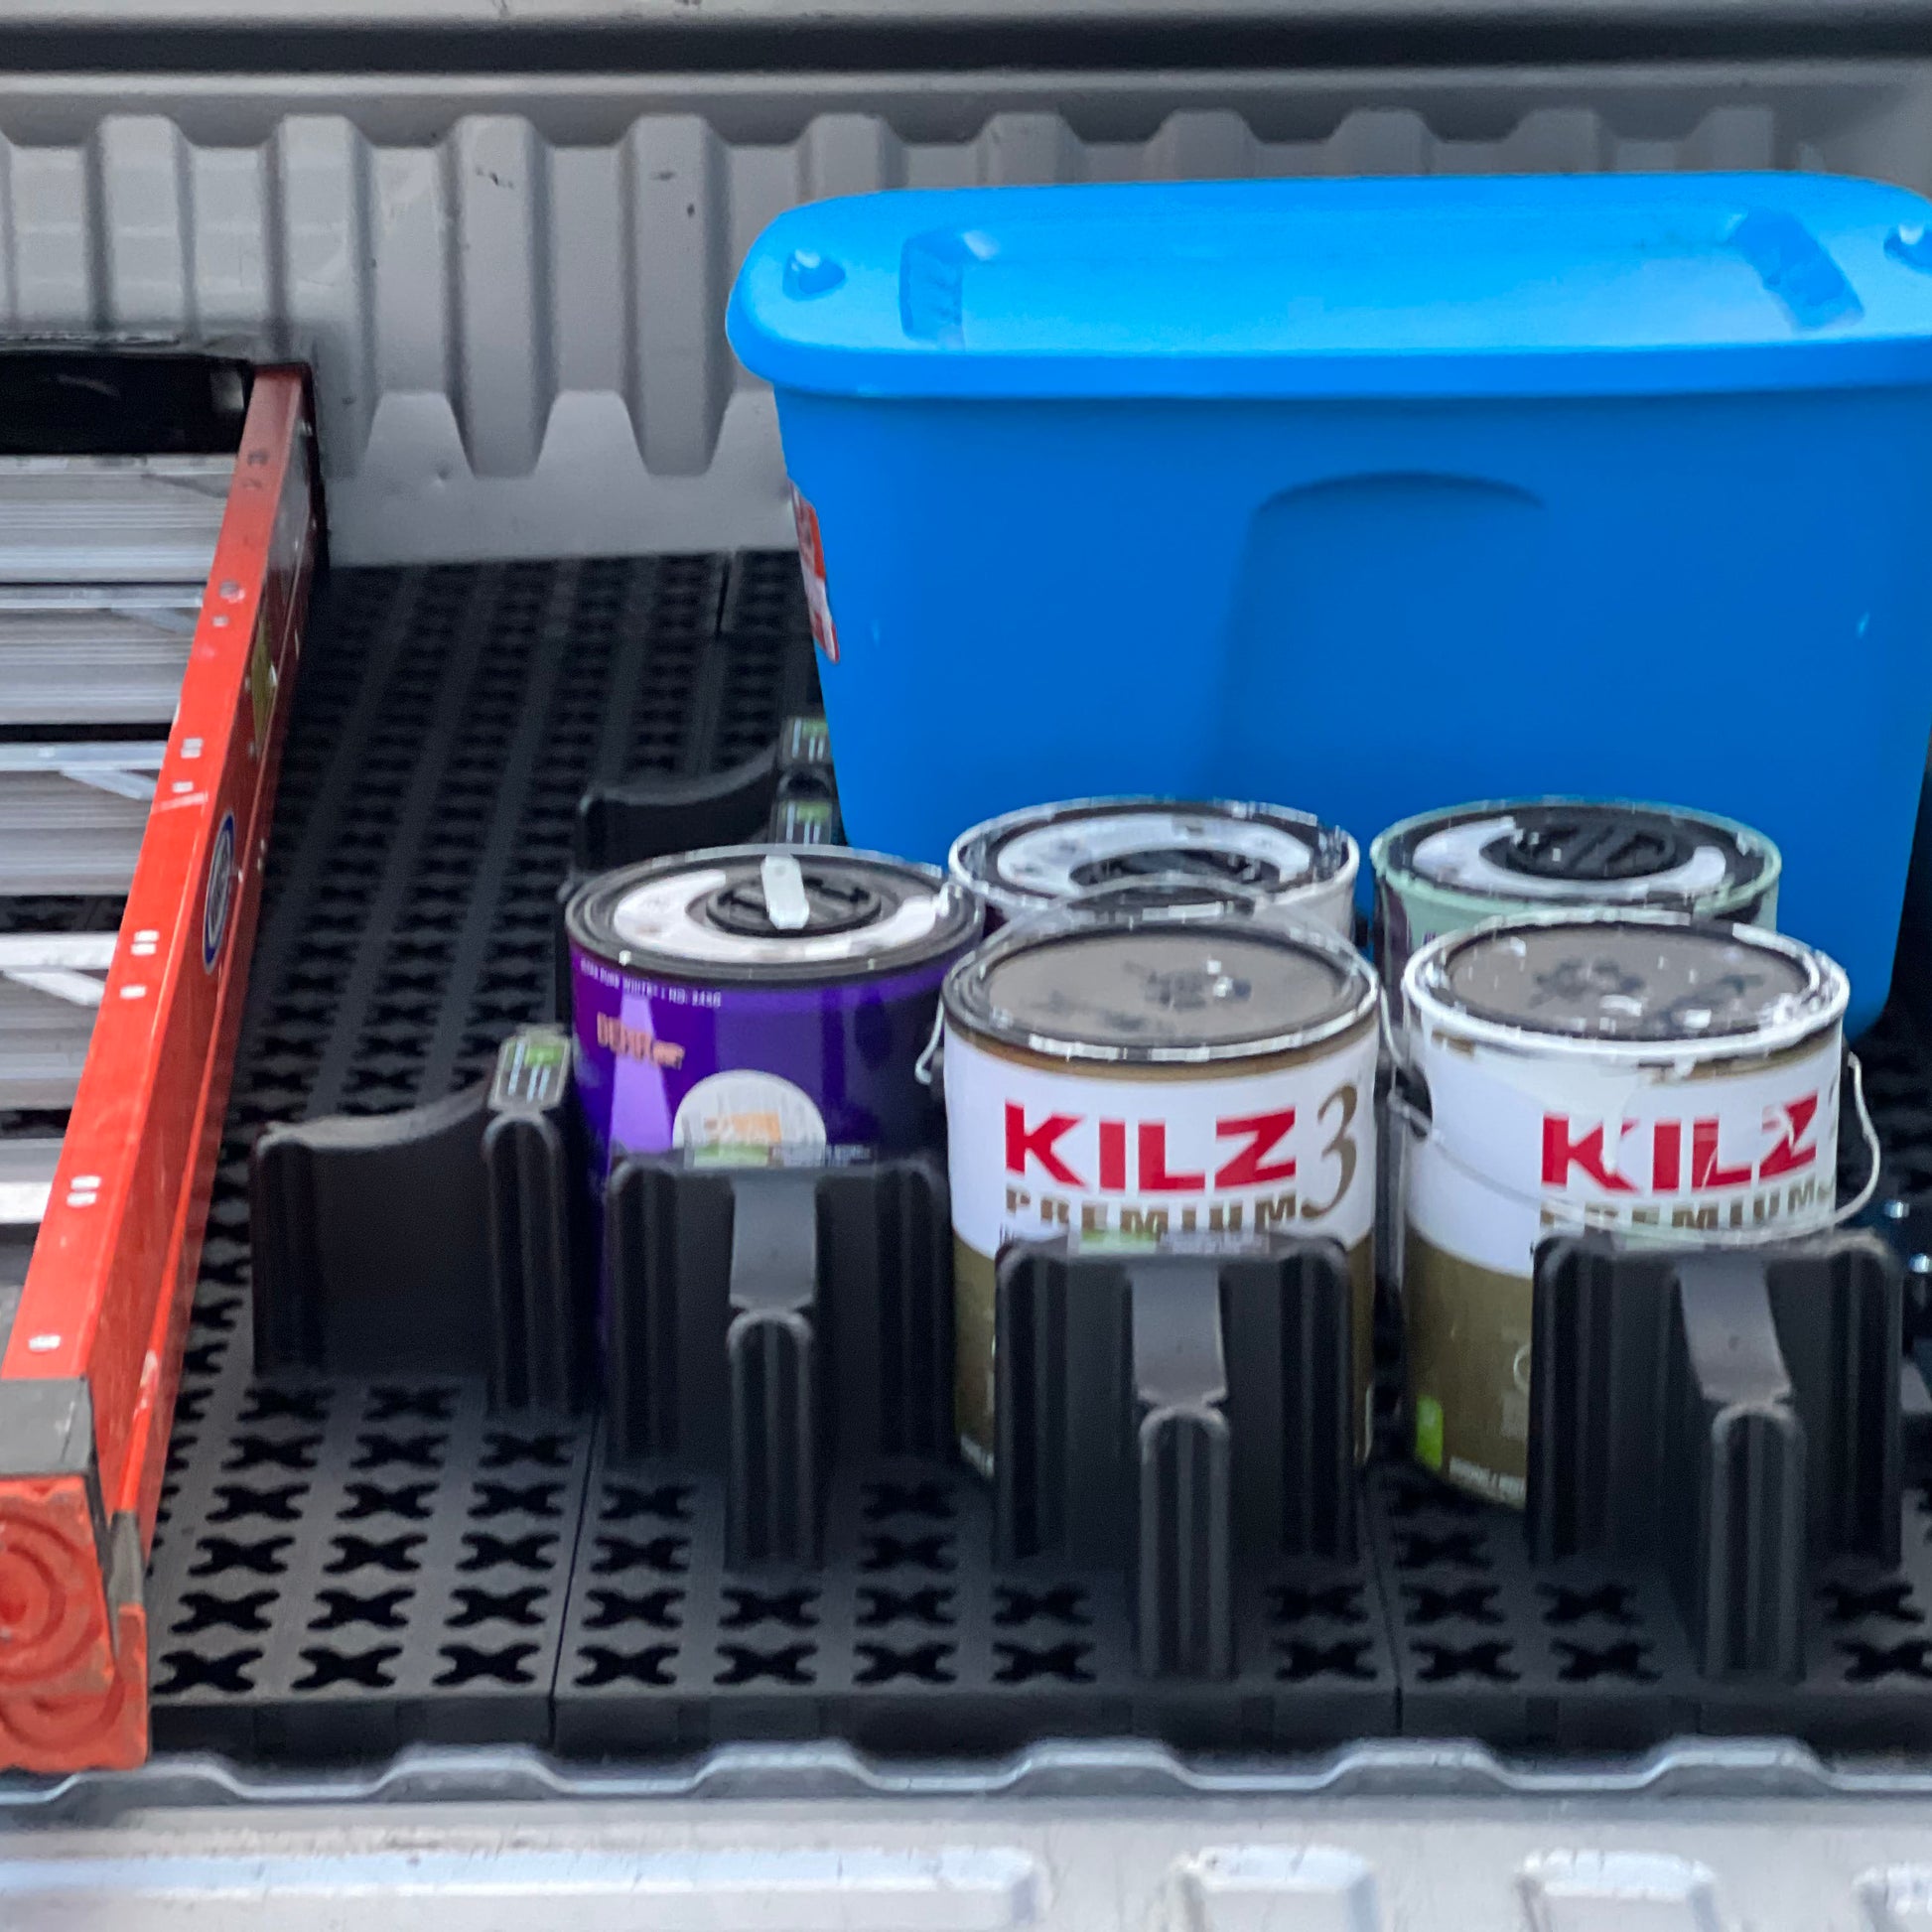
(1391, 1049)
(1421, 1122)
(929, 1069)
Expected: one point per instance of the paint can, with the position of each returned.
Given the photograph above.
(1446, 871)
(1149, 1074)
(1670, 1078)
(760, 996)
(1256, 855)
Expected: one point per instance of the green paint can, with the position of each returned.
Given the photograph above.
(1446, 871)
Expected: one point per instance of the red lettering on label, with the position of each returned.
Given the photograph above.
(1250, 1167)
(1705, 1169)
(1155, 1178)
(1790, 1155)
(1666, 1157)
(1039, 1142)
(1560, 1154)
(1113, 1156)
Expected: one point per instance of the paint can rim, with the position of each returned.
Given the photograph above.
(590, 921)
(971, 1009)
(1391, 859)
(1335, 857)
(1430, 1000)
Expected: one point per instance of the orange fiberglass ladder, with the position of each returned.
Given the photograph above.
(151, 617)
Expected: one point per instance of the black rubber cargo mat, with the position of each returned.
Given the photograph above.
(909, 1640)
(1584, 1655)
(343, 1567)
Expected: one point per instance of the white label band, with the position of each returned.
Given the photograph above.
(1037, 1151)
(1519, 1147)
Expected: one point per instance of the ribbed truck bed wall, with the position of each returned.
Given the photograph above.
(507, 248)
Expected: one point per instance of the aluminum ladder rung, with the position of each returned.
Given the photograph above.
(27, 1168)
(50, 986)
(110, 519)
(72, 816)
(94, 654)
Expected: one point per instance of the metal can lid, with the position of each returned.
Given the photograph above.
(1052, 853)
(1629, 978)
(1591, 851)
(774, 914)
(1162, 983)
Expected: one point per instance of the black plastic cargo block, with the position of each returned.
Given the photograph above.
(542, 1319)
(1714, 1503)
(1183, 1418)
(1731, 1414)
(766, 1322)
(1899, 1087)
(624, 821)
(452, 1238)
(354, 1270)
(910, 1640)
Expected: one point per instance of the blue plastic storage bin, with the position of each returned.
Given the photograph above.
(1373, 495)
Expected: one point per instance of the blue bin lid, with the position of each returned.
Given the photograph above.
(1570, 285)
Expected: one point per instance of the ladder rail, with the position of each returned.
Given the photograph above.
(164, 597)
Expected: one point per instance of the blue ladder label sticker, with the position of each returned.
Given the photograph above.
(220, 896)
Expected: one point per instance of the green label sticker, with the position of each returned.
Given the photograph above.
(732, 1153)
(806, 741)
(1112, 1241)
(773, 1153)
(802, 823)
(530, 1068)
(1428, 1432)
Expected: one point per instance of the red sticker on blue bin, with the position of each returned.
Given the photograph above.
(811, 557)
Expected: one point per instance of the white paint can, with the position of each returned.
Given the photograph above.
(1151, 1073)
(1260, 855)
(1647, 1073)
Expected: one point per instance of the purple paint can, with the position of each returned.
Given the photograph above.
(760, 996)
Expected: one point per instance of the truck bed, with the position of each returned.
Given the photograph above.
(348, 1566)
